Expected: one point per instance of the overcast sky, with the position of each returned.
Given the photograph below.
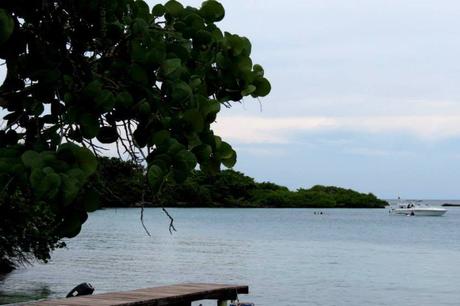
(366, 95)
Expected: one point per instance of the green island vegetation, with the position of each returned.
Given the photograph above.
(121, 185)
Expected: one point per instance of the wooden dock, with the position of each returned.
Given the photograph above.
(175, 295)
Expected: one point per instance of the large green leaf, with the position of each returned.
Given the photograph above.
(71, 225)
(71, 230)
(211, 167)
(12, 137)
(181, 91)
(140, 26)
(155, 177)
(212, 11)
(32, 159)
(138, 74)
(78, 174)
(81, 158)
(86, 160)
(249, 90)
(230, 161)
(239, 45)
(92, 89)
(48, 158)
(45, 185)
(173, 146)
(202, 152)
(11, 165)
(105, 100)
(70, 188)
(144, 108)
(170, 66)
(124, 100)
(186, 160)
(263, 87)
(107, 134)
(6, 26)
(244, 63)
(163, 161)
(142, 10)
(53, 183)
(36, 179)
(203, 38)
(209, 109)
(155, 56)
(159, 137)
(65, 152)
(89, 125)
(180, 175)
(224, 150)
(193, 139)
(258, 70)
(174, 8)
(194, 120)
(138, 52)
(217, 141)
(158, 10)
(194, 24)
(115, 30)
(9, 152)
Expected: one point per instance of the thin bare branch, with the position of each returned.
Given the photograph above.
(171, 219)
(127, 150)
(130, 143)
(260, 105)
(135, 142)
(142, 203)
(142, 221)
(118, 150)
(100, 148)
(9, 125)
(7, 184)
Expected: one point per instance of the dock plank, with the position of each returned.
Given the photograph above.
(157, 296)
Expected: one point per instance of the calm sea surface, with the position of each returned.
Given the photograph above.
(286, 256)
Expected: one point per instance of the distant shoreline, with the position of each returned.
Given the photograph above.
(227, 188)
(246, 207)
(450, 205)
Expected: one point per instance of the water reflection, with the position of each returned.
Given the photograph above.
(36, 291)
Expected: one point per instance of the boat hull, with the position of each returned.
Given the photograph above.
(419, 211)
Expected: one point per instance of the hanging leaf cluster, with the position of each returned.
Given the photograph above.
(116, 74)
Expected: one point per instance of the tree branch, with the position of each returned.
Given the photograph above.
(142, 203)
(171, 219)
(142, 221)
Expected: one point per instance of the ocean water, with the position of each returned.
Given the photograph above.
(286, 256)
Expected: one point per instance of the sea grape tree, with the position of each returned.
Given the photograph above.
(88, 75)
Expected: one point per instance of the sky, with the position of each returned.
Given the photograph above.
(365, 95)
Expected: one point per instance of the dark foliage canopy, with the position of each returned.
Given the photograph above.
(227, 188)
(88, 75)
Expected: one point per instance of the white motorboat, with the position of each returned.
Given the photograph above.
(412, 209)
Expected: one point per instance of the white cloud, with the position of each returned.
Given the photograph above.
(249, 129)
(373, 152)
(265, 130)
(258, 151)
